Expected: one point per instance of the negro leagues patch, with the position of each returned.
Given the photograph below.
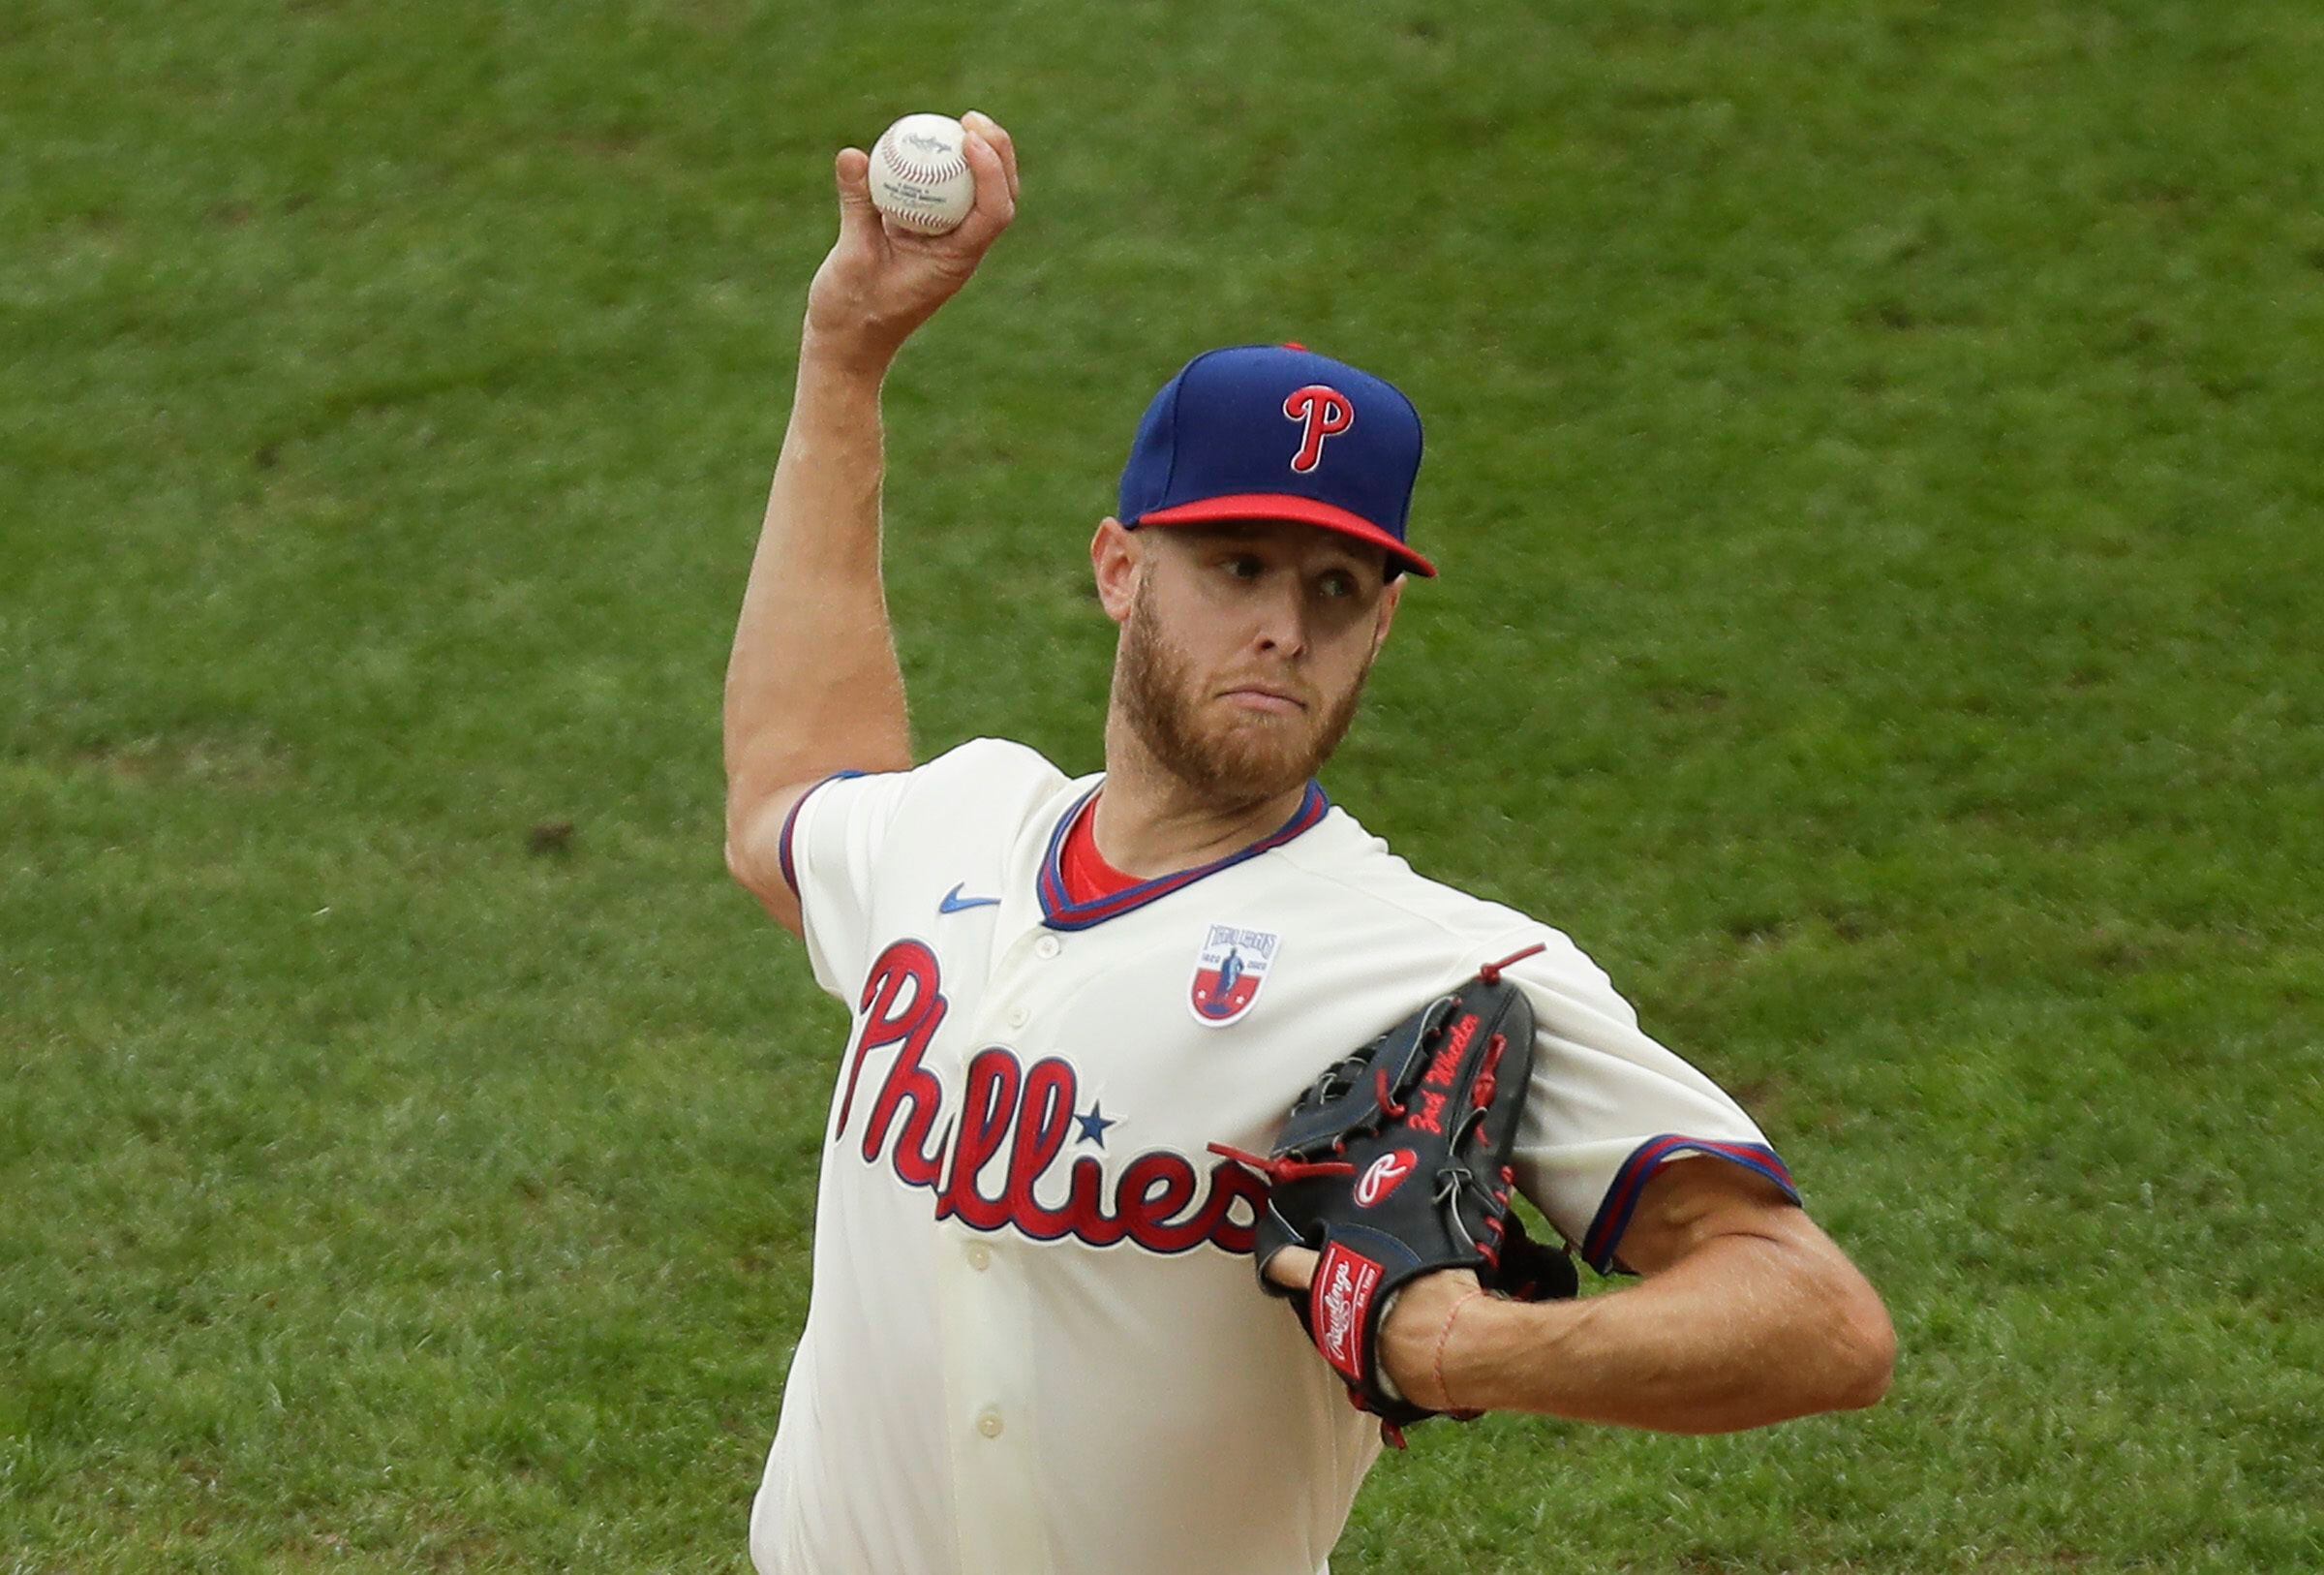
(1229, 968)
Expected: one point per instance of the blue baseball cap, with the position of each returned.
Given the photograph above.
(1278, 432)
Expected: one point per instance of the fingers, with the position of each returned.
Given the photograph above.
(990, 130)
(995, 189)
(1293, 1268)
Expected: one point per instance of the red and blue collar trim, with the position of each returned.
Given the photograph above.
(1059, 912)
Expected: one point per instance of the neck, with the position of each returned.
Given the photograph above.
(1151, 823)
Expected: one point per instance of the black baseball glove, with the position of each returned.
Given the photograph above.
(1395, 1163)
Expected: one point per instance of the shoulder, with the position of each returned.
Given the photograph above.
(983, 781)
(991, 762)
(980, 779)
(1371, 883)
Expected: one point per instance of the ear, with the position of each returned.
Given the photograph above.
(1116, 557)
(1385, 613)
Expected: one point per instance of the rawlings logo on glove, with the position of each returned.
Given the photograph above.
(1383, 1175)
(1345, 1285)
(1435, 1100)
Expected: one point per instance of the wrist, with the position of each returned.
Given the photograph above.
(852, 356)
(1422, 1325)
(1442, 1391)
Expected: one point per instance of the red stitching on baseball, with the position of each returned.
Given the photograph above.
(923, 175)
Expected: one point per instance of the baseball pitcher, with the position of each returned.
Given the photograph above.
(1132, 1051)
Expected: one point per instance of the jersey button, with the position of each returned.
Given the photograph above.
(988, 1424)
(1019, 1016)
(980, 1257)
(1048, 945)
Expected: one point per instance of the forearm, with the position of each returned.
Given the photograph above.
(812, 684)
(1743, 1333)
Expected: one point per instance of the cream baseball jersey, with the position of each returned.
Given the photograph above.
(1034, 1343)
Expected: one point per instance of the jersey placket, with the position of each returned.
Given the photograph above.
(990, 1326)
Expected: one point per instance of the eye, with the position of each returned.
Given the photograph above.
(1245, 566)
(1338, 584)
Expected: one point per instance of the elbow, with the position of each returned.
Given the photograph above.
(753, 859)
(1863, 1350)
(738, 843)
(738, 864)
(756, 867)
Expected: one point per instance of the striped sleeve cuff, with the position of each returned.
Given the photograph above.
(790, 870)
(1604, 1238)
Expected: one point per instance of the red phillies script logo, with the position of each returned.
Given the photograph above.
(1384, 1176)
(1013, 1123)
(1322, 413)
(1345, 1284)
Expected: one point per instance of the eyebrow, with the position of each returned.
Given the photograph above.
(1237, 534)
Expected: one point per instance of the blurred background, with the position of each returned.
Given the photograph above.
(1873, 456)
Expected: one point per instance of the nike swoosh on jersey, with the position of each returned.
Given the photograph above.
(952, 902)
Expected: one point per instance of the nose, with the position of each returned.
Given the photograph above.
(1282, 628)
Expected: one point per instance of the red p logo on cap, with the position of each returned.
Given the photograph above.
(1322, 412)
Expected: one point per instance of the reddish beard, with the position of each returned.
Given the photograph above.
(1228, 759)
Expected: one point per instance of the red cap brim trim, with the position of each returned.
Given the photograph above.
(1296, 510)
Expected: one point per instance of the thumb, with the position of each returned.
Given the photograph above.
(859, 220)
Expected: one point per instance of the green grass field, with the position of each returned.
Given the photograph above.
(1874, 461)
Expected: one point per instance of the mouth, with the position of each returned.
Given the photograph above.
(1263, 699)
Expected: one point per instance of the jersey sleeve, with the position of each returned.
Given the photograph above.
(1610, 1106)
(839, 838)
(831, 846)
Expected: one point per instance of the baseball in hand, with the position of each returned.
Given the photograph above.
(920, 177)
